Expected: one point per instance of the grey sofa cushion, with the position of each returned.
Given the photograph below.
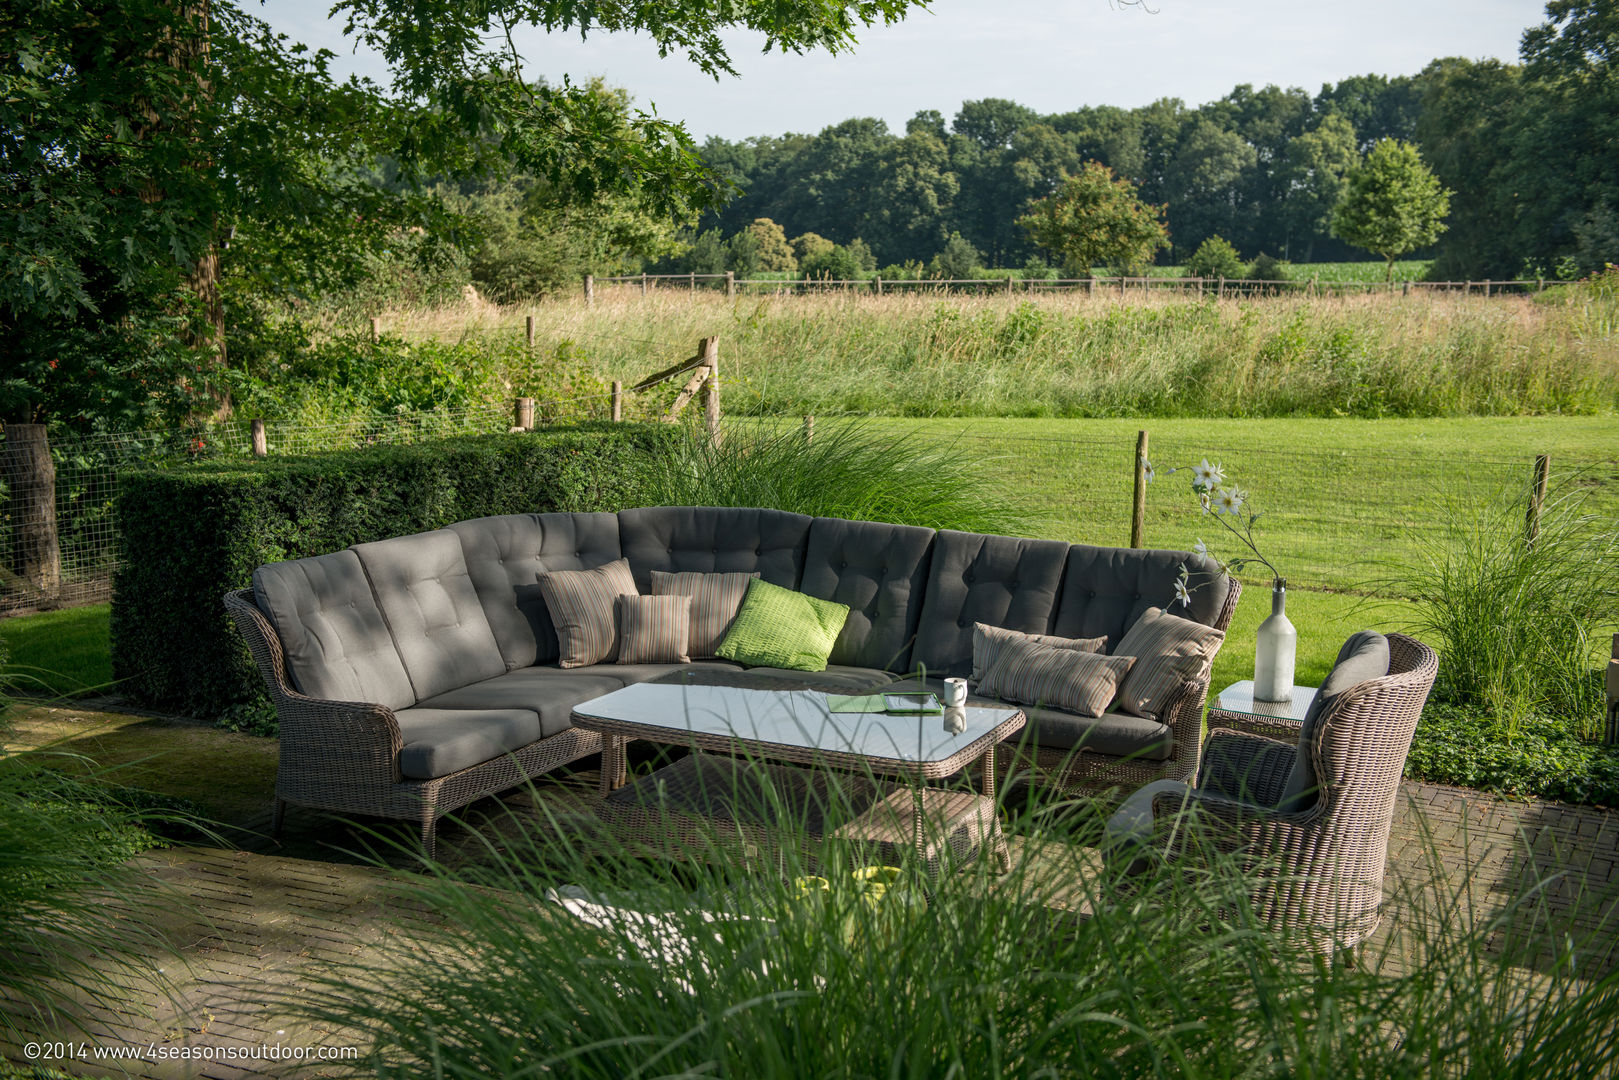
(546, 692)
(505, 556)
(439, 628)
(1115, 734)
(835, 679)
(880, 571)
(638, 673)
(708, 539)
(996, 580)
(335, 638)
(438, 742)
(1105, 590)
(1365, 656)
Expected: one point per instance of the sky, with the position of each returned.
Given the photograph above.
(1051, 55)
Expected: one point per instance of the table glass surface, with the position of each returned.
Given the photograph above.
(1239, 698)
(798, 718)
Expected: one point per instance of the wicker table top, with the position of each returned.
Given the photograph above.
(797, 726)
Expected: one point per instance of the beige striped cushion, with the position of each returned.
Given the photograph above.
(582, 606)
(715, 600)
(653, 629)
(1034, 674)
(1168, 651)
(987, 642)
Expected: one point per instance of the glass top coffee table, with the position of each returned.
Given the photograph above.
(1235, 707)
(764, 731)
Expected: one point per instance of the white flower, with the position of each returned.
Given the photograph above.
(1227, 501)
(1181, 594)
(1200, 547)
(1206, 477)
(1146, 468)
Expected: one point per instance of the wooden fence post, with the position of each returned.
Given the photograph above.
(730, 284)
(1009, 286)
(809, 429)
(1486, 288)
(1200, 288)
(1090, 286)
(376, 329)
(618, 401)
(1537, 498)
(25, 462)
(590, 289)
(528, 332)
(1138, 508)
(1540, 284)
(1405, 290)
(261, 444)
(878, 283)
(1219, 292)
(711, 388)
(523, 413)
(1467, 288)
(643, 284)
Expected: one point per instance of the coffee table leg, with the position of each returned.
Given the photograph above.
(997, 839)
(614, 764)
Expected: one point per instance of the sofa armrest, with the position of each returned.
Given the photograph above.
(1183, 715)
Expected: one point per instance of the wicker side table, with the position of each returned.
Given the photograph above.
(1235, 708)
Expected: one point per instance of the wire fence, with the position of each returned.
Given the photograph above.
(1330, 518)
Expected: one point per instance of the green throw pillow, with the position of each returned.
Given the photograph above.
(776, 627)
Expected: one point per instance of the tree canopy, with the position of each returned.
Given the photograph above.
(1096, 218)
(1393, 203)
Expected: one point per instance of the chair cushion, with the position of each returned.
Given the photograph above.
(1030, 673)
(712, 539)
(1169, 650)
(335, 638)
(1113, 733)
(989, 640)
(836, 678)
(654, 629)
(547, 692)
(784, 629)
(639, 673)
(438, 742)
(995, 580)
(583, 607)
(439, 627)
(505, 556)
(1105, 591)
(715, 600)
(1364, 657)
(881, 572)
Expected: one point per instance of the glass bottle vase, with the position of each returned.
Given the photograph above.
(1277, 647)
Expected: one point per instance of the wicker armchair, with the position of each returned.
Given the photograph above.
(343, 756)
(1318, 869)
(1075, 771)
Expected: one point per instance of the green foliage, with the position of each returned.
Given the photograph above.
(834, 262)
(1266, 268)
(190, 534)
(1541, 758)
(850, 470)
(1518, 625)
(772, 252)
(55, 653)
(810, 246)
(957, 259)
(1096, 218)
(1392, 203)
(1215, 258)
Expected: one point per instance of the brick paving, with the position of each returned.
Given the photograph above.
(267, 917)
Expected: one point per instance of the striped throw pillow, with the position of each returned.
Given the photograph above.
(653, 629)
(583, 610)
(715, 600)
(1169, 650)
(987, 642)
(1030, 673)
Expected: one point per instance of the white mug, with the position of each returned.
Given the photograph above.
(955, 692)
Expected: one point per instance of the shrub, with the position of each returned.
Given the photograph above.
(848, 471)
(1543, 758)
(1215, 258)
(1267, 268)
(957, 259)
(190, 534)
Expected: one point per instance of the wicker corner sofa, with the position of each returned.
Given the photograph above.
(414, 675)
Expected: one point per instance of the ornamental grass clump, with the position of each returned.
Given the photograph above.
(567, 950)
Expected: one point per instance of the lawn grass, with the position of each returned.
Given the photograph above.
(58, 653)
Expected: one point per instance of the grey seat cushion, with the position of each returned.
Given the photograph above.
(335, 638)
(438, 742)
(547, 692)
(505, 556)
(639, 673)
(836, 679)
(711, 539)
(1105, 590)
(1114, 734)
(996, 580)
(1365, 656)
(880, 571)
(438, 625)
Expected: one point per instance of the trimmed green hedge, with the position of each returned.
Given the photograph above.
(188, 535)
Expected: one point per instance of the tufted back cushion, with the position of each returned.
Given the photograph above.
(880, 571)
(505, 556)
(336, 641)
(710, 539)
(424, 591)
(996, 580)
(1105, 590)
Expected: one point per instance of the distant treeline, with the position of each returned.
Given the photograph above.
(1530, 151)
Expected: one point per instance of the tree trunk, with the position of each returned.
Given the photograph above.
(25, 462)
